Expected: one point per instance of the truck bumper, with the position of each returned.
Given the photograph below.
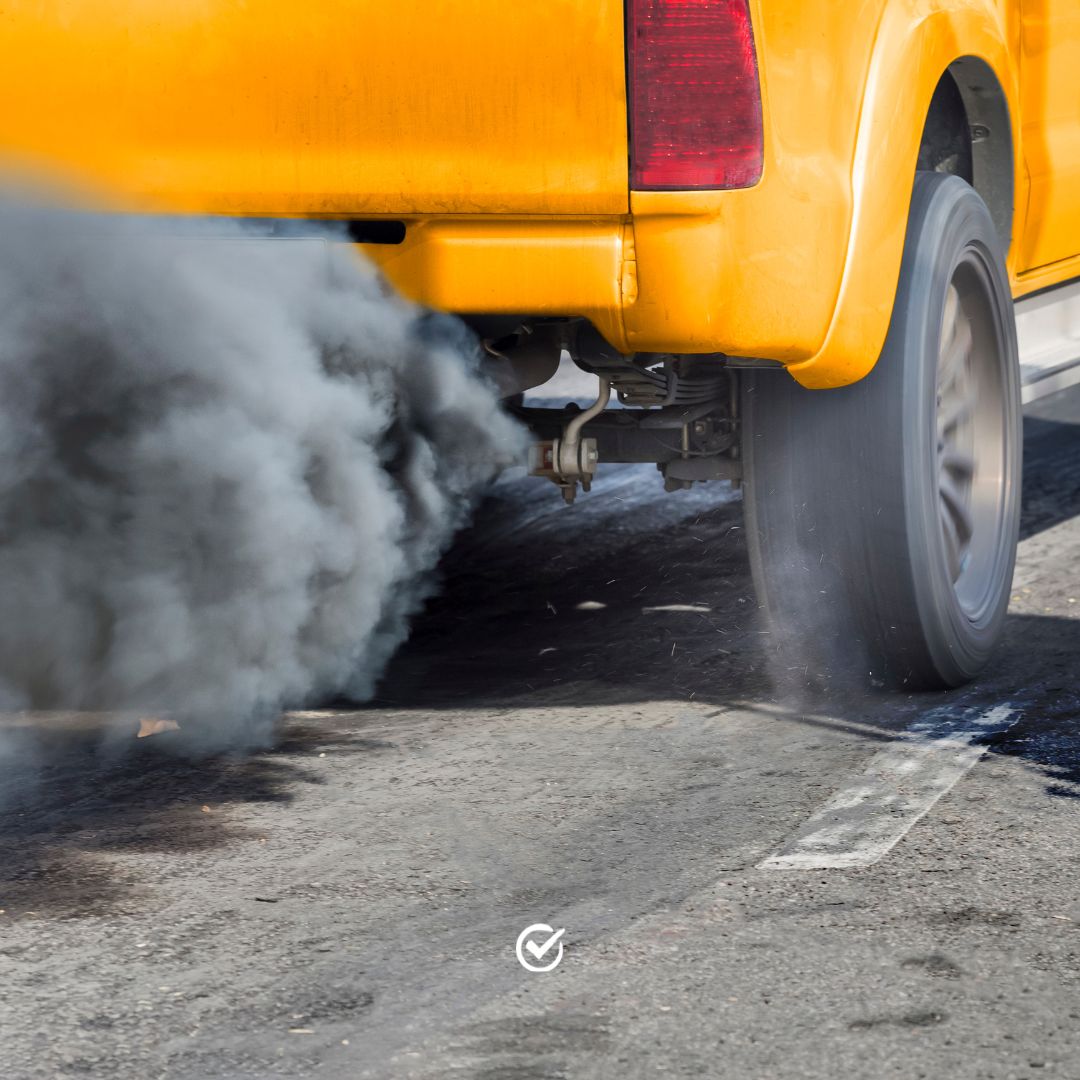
(527, 266)
(673, 276)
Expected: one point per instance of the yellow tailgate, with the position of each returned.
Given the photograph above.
(337, 107)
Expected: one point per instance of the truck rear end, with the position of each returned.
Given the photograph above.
(673, 191)
(490, 154)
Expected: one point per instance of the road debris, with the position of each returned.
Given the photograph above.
(153, 725)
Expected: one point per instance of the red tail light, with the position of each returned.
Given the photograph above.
(695, 100)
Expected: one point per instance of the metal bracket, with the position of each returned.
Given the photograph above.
(569, 459)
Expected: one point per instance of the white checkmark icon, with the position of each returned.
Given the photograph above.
(539, 951)
(548, 940)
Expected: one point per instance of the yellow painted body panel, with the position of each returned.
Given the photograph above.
(497, 132)
(335, 107)
(551, 266)
(1050, 99)
(916, 41)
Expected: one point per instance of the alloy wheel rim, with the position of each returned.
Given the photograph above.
(971, 475)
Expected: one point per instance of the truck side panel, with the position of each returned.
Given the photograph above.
(1050, 62)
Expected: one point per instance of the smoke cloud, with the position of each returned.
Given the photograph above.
(227, 468)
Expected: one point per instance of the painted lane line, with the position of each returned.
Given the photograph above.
(692, 609)
(863, 822)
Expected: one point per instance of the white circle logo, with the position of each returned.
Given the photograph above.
(535, 942)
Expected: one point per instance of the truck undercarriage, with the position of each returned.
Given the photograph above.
(680, 412)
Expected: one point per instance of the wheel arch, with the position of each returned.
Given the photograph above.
(989, 138)
(913, 52)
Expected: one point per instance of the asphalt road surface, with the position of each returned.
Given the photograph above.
(587, 730)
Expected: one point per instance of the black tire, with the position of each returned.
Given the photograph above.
(855, 513)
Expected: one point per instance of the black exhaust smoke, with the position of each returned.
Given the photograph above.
(227, 468)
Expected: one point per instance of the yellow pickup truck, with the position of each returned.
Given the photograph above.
(796, 238)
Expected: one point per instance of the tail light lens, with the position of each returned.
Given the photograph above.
(695, 99)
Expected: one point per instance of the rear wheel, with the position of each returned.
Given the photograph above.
(882, 517)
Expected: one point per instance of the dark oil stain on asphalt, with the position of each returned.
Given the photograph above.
(59, 818)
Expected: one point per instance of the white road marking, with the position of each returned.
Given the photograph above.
(693, 609)
(863, 822)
